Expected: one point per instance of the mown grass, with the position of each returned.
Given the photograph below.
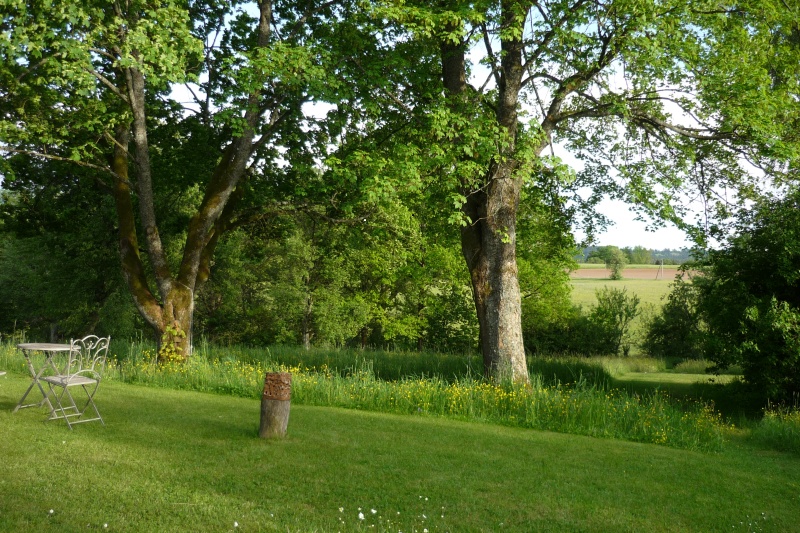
(584, 407)
(186, 461)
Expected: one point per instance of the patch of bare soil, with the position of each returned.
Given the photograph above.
(628, 273)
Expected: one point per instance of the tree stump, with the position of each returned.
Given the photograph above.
(275, 403)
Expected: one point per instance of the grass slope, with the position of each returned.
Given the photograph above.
(186, 461)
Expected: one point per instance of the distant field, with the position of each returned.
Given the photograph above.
(650, 291)
(640, 280)
(631, 271)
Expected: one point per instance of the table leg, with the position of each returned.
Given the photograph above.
(35, 382)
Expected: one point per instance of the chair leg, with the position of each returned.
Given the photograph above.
(60, 410)
(90, 402)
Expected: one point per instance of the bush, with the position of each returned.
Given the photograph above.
(677, 330)
(611, 319)
(743, 309)
(605, 330)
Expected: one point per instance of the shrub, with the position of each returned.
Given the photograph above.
(611, 318)
(749, 298)
(677, 330)
(605, 330)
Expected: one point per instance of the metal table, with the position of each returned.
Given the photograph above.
(50, 350)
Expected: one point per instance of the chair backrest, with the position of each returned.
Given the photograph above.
(88, 354)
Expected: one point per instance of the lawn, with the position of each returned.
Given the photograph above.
(188, 461)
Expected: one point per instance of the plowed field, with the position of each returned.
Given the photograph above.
(628, 273)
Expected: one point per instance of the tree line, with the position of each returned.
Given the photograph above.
(636, 255)
(332, 170)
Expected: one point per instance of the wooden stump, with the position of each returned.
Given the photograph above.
(275, 403)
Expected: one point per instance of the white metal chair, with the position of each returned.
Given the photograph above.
(84, 369)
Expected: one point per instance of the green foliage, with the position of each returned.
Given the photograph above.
(604, 330)
(611, 318)
(614, 259)
(677, 331)
(749, 298)
(57, 277)
(743, 309)
(639, 255)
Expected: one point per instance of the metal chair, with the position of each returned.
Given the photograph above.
(84, 369)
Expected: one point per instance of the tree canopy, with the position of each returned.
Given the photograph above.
(342, 126)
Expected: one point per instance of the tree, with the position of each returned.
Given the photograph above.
(749, 297)
(742, 308)
(611, 318)
(622, 84)
(614, 259)
(639, 255)
(678, 329)
(57, 279)
(93, 84)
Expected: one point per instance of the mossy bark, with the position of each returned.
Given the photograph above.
(169, 310)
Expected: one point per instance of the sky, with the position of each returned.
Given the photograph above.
(629, 232)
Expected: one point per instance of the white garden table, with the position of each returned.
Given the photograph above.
(51, 351)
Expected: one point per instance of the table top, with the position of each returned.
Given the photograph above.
(44, 347)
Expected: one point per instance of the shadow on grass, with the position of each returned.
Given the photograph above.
(732, 400)
(556, 371)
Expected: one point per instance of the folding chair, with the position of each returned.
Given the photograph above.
(84, 370)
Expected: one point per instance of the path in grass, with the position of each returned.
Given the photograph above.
(185, 461)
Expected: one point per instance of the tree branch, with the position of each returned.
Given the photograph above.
(105, 81)
(52, 157)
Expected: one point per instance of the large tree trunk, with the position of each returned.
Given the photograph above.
(489, 248)
(175, 342)
(488, 242)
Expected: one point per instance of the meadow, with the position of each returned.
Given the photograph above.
(177, 460)
(651, 283)
(395, 441)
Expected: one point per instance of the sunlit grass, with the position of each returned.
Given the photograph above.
(584, 402)
(171, 460)
(581, 408)
(650, 291)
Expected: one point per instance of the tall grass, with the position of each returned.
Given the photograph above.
(582, 408)
(571, 395)
(779, 429)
